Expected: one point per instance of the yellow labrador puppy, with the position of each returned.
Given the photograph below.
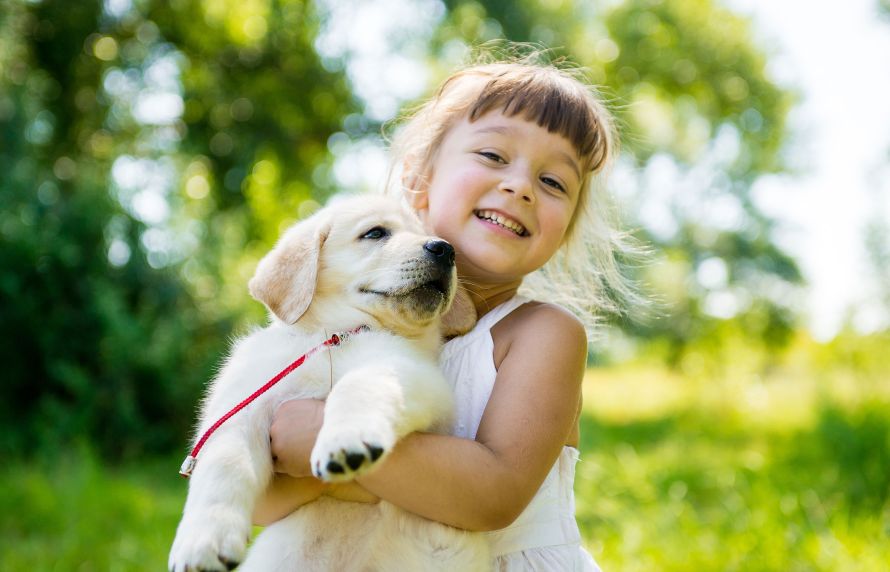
(363, 261)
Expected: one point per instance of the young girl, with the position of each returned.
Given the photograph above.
(501, 163)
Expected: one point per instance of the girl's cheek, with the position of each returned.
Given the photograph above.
(431, 227)
(429, 223)
(435, 224)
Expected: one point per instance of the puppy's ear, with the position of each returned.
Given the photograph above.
(285, 278)
(461, 318)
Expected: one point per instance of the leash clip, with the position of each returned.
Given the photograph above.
(187, 466)
(341, 337)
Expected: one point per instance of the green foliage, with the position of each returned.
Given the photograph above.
(682, 325)
(757, 449)
(698, 59)
(75, 514)
(120, 308)
(859, 443)
(119, 314)
(97, 350)
(113, 352)
(689, 74)
(259, 109)
(690, 492)
(790, 471)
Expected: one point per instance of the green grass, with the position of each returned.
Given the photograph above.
(76, 515)
(787, 472)
(780, 474)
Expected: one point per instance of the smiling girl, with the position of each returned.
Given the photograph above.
(503, 163)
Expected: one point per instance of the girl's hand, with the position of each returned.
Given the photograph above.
(295, 426)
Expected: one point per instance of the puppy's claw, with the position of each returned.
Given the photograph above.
(346, 452)
(375, 451)
(354, 460)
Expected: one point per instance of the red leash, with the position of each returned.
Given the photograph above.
(189, 464)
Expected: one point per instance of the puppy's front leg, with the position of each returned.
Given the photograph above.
(232, 470)
(372, 407)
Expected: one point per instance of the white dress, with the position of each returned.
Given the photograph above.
(545, 536)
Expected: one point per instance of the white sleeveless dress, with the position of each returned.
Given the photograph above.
(545, 536)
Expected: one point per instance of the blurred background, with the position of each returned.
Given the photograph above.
(152, 151)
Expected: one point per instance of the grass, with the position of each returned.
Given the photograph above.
(788, 472)
(80, 516)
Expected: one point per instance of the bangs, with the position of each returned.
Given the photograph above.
(552, 102)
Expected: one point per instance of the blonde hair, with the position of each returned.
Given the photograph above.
(584, 274)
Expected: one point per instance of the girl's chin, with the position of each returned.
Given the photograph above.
(482, 272)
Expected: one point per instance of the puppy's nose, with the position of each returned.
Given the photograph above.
(440, 251)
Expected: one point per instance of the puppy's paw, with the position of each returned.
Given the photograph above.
(214, 540)
(344, 452)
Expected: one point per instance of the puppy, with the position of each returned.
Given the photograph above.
(364, 261)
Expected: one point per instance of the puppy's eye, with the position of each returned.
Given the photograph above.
(376, 233)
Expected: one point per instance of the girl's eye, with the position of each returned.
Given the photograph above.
(492, 156)
(550, 182)
(376, 233)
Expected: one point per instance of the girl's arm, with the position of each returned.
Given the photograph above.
(284, 495)
(287, 492)
(485, 484)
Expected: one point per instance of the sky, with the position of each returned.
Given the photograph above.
(838, 59)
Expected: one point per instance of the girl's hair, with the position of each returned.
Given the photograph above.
(584, 274)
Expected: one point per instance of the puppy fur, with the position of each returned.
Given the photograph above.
(363, 260)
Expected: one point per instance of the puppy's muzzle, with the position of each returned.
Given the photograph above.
(441, 253)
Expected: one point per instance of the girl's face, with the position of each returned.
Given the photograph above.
(502, 191)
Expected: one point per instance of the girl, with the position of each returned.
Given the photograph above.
(501, 163)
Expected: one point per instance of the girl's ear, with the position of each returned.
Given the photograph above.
(285, 278)
(418, 200)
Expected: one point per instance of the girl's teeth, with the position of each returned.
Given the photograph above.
(502, 221)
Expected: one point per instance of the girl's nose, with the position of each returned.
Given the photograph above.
(520, 186)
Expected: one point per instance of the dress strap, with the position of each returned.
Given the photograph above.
(483, 327)
(500, 312)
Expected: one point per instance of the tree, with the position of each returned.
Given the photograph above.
(87, 340)
(152, 150)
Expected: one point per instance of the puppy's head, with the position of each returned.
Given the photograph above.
(360, 259)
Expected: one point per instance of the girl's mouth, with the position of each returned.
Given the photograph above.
(502, 221)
